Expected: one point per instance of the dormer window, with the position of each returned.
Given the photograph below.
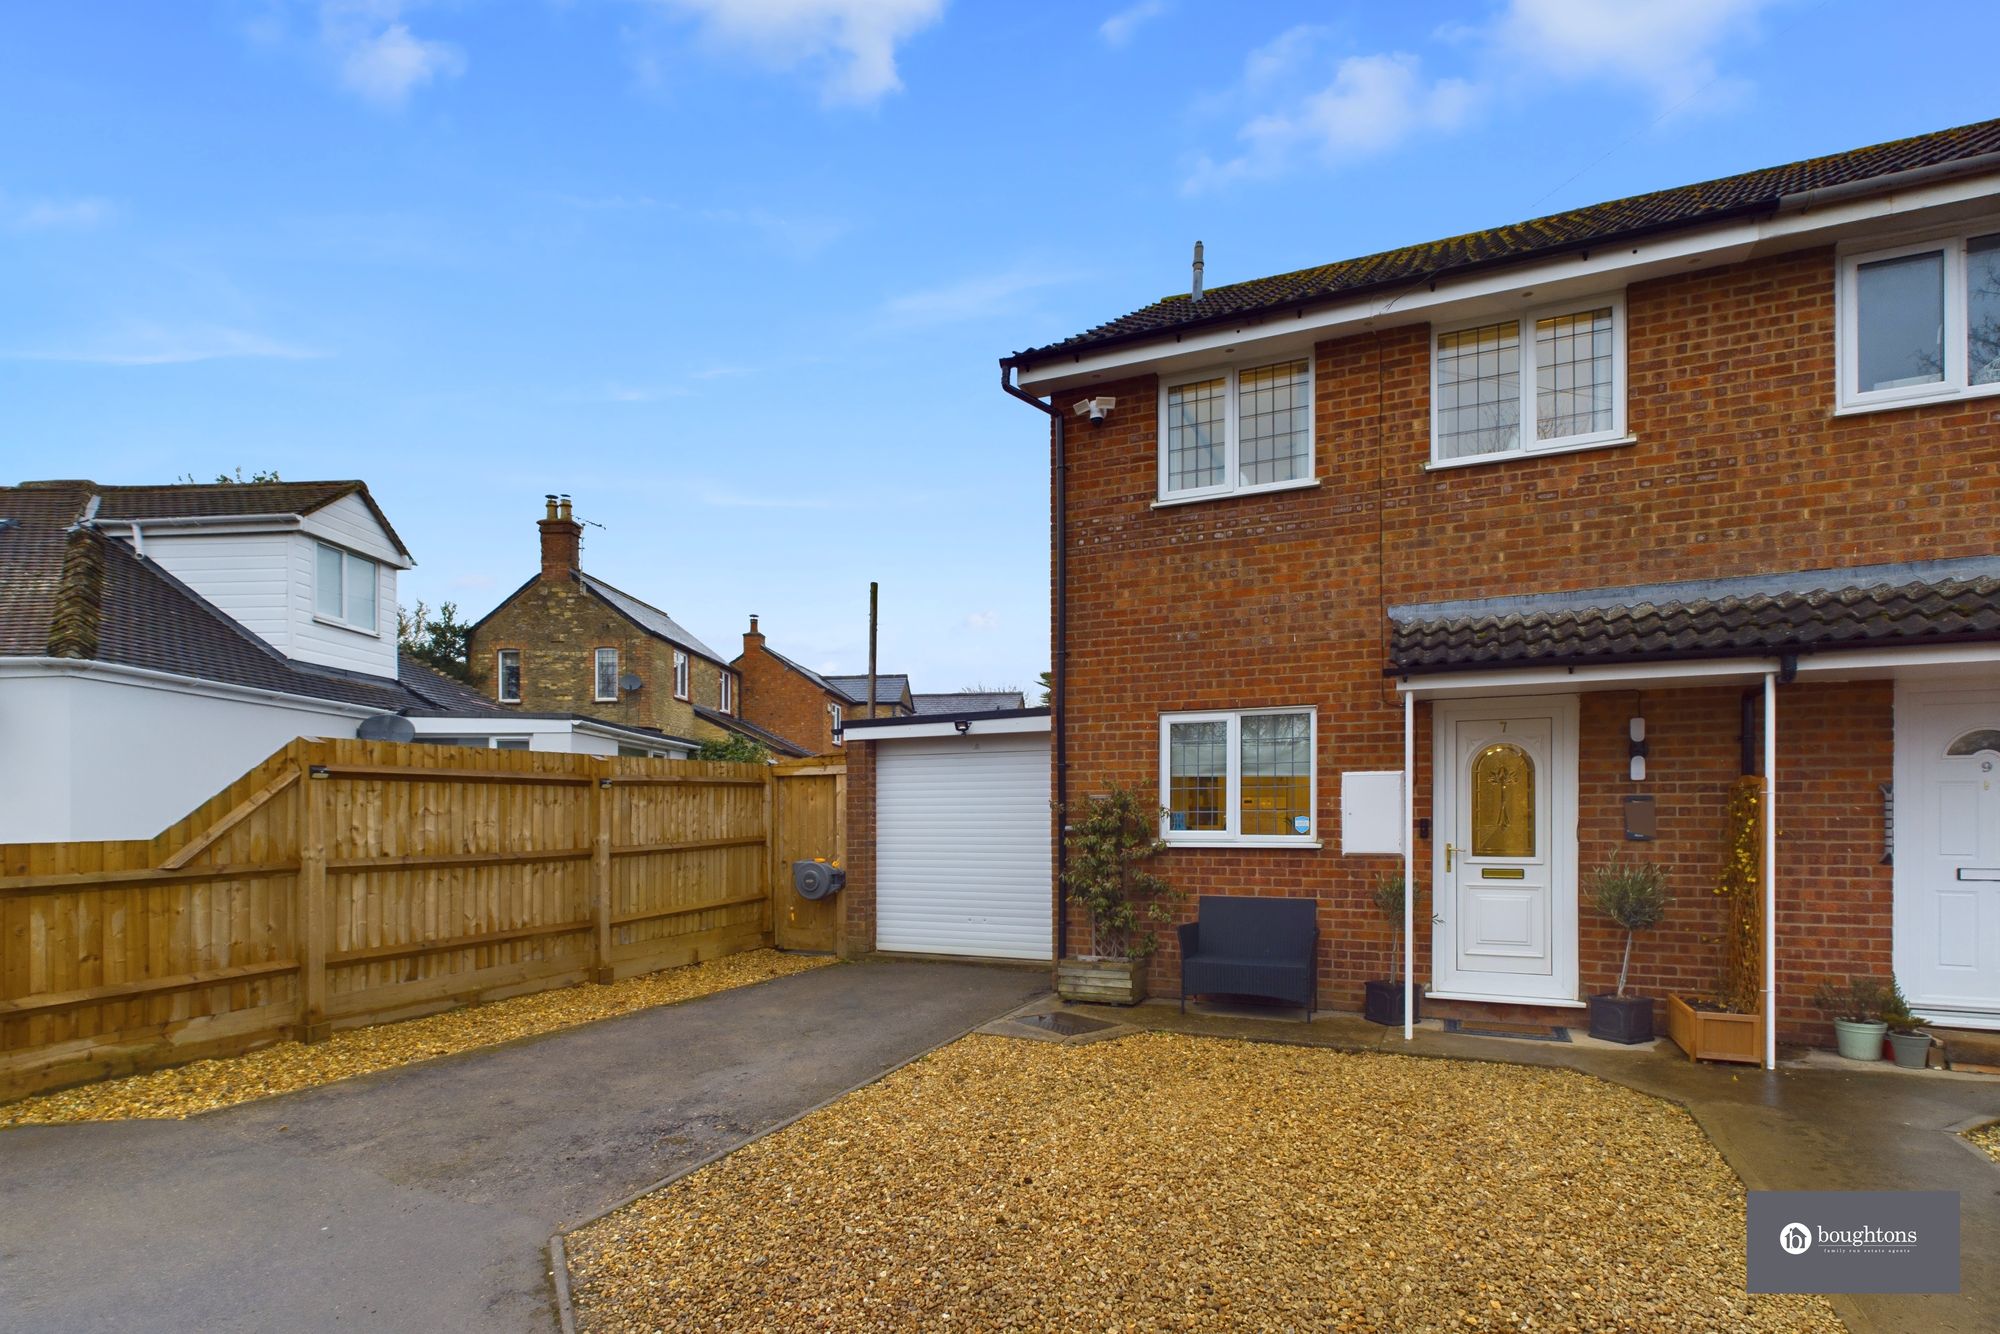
(344, 589)
(1543, 382)
(1236, 429)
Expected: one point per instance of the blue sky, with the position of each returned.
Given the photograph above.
(736, 273)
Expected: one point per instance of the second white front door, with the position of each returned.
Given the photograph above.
(1947, 863)
(1504, 849)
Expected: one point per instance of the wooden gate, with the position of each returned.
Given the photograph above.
(808, 819)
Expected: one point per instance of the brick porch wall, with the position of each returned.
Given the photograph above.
(857, 900)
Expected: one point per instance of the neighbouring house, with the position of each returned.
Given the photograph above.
(968, 701)
(892, 695)
(791, 700)
(568, 641)
(1603, 507)
(156, 642)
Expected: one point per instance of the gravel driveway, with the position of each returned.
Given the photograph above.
(423, 1198)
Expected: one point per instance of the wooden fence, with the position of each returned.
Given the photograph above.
(343, 883)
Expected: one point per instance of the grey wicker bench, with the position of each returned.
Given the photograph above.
(1267, 948)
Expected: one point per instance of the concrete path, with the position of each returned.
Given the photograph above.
(1822, 1124)
(423, 1198)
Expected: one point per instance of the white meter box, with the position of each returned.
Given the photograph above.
(1371, 812)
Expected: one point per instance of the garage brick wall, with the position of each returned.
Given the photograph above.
(857, 900)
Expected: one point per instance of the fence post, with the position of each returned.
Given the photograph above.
(315, 802)
(840, 856)
(771, 868)
(600, 876)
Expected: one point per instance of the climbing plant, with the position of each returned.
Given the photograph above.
(1742, 884)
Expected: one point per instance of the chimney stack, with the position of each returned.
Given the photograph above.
(562, 540)
(753, 638)
(1197, 270)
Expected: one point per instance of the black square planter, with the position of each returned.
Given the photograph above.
(1384, 1003)
(1626, 1019)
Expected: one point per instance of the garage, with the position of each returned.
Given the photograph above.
(962, 829)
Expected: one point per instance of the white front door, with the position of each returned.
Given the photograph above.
(1947, 855)
(1504, 849)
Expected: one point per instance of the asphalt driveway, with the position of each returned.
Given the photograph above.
(423, 1198)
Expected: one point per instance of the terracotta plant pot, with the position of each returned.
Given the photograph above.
(1626, 1019)
(1859, 1040)
(1384, 1003)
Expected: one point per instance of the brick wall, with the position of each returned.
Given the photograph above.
(857, 899)
(778, 699)
(1739, 467)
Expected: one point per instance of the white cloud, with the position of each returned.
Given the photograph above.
(851, 43)
(1118, 29)
(983, 620)
(33, 215)
(377, 55)
(142, 344)
(1300, 100)
(980, 296)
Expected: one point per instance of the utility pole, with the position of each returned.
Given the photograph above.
(874, 620)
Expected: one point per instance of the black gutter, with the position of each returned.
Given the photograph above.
(979, 716)
(1058, 673)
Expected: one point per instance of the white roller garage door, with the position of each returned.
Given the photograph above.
(962, 846)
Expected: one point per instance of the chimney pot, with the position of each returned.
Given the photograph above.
(551, 506)
(563, 508)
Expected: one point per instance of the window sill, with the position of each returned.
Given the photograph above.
(332, 624)
(1265, 841)
(1299, 485)
(600, 699)
(1971, 395)
(1515, 455)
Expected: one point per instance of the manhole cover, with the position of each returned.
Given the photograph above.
(1065, 1024)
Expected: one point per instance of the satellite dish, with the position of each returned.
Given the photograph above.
(630, 682)
(386, 727)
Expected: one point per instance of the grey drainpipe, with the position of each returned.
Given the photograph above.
(1058, 674)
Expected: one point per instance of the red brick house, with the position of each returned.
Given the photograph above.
(788, 699)
(1577, 522)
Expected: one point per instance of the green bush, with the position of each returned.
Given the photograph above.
(1859, 1000)
(1107, 844)
(733, 750)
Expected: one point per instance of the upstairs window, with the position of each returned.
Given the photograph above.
(726, 694)
(1549, 380)
(680, 675)
(607, 676)
(1244, 777)
(1921, 322)
(507, 675)
(1239, 429)
(344, 589)
(833, 717)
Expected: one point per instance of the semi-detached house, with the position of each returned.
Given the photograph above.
(1576, 522)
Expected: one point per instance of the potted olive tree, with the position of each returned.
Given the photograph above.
(1909, 1044)
(1635, 897)
(1856, 1007)
(1383, 1002)
(1108, 845)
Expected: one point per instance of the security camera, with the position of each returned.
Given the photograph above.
(1097, 409)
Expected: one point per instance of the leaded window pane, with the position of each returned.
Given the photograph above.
(1197, 776)
(1899, 322)
(1195, 434)
(1276, 774)
(607, 673)
(1503, 802)
(1479, 390)
(1573, 374)
(1272, 409)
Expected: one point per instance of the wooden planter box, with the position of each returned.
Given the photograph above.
(1101, 981)
(1715, 1035)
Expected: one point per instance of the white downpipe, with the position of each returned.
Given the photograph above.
(1409, 865)
(1770, 871)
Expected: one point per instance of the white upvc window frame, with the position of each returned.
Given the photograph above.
(1847, 314)
(348, 561)
(683, 674)
(833, 713)
(725, 693)
(1618, 433)
(500, 657)
(597, 676)
(1230, 837)
(1233, 430)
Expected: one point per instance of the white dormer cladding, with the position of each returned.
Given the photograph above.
(262, 572)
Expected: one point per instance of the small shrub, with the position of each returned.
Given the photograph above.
(1388, 896)
(733, 750)
(1859, 1000)
(1634, 896)
(1896, 1011)
(1108, 842)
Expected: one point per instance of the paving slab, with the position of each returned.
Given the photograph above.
(423, 1198)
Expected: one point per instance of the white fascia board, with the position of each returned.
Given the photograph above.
(217, 524)
(484, 724)
(1828, 663)
(1883, 662)
(976, 728)
(147, 679)
(1585, 271)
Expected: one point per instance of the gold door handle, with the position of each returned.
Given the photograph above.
(1448, 851)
